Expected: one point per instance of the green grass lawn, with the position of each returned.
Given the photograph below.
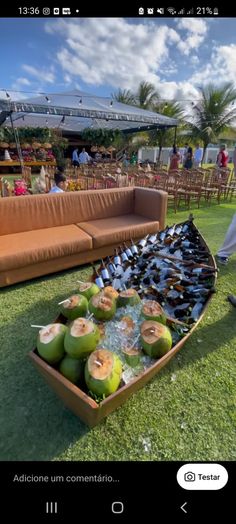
(187, 412)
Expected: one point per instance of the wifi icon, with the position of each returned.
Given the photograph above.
(171, 10)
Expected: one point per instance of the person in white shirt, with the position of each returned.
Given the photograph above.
(84, 157)
(228, 247)
(197, 158)
(60, 183)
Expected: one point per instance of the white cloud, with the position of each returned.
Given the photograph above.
(23, 81)
(45, 75)
(220, 68)
(113, 51)
(67, 79)
(196, 30)
(192, 25)
(181, 91)
(195, 60)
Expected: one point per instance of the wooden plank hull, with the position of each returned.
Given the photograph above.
(83, 405)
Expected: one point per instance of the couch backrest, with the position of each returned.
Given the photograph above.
(26, 213)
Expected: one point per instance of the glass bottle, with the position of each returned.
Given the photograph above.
(104, 272)
(97, 278)
(134, 248)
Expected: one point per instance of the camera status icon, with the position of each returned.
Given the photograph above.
(46, 11)
(56, 11)
(189, 476)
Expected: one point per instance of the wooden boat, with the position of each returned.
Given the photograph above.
(81, 403)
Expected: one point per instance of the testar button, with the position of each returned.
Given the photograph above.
(202, 477)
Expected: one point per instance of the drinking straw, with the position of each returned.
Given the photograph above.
(98, 363)
(135, 341)
(63, 301)
(34, 325)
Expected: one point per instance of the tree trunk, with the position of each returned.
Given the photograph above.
(204, 152)
(159, 153)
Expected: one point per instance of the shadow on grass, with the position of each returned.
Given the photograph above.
(34, 425)
(45, 278)
(204, 341)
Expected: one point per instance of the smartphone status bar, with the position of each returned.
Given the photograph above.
(102, 11)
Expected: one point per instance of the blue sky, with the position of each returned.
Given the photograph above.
(101, 55)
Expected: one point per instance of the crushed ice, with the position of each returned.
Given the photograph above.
(116, 339)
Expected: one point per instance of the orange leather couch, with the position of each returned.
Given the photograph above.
(41, 234)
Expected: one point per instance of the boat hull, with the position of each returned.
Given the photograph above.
(83, 405)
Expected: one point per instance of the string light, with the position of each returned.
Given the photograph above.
(48, 99)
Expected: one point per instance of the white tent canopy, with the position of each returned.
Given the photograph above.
(75, 111)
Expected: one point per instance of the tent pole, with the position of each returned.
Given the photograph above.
(16, 136)
(175, 135)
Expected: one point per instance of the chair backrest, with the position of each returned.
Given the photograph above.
(56, 209)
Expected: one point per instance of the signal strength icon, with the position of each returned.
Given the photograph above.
(190, 12)
(181, 12)
(171, 10)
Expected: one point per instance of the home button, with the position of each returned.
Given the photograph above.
(117, 507)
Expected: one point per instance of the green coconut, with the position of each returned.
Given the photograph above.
(155, 338)
(128, 297)
(72, 368)
(88, 289)
(81, 338)
(110, 292)
(132, 356)
(102, 307)
(151, 310)
(103, 372)
(50, 342)
(74, 307)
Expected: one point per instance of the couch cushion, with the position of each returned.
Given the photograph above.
(118, 229)
(21, 249)
(27, 213)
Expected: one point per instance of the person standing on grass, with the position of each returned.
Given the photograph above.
(197, 157)
(84, 157)
(229, 245)
(75, 158)
(174, 159)
(222, 157)
(234, 160)
(184, 153)
(188, 164)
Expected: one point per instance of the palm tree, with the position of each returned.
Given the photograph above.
(213, 113)
(146, 95)
(125, 96)
(164, 136)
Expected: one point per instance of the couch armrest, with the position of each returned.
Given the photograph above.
(151, 203)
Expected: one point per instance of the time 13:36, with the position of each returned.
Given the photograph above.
(29, 10)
